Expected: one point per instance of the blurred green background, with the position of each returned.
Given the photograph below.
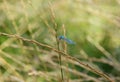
(92, 24)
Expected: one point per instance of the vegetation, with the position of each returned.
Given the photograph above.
(31, 49)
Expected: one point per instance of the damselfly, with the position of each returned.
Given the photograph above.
(66, 39)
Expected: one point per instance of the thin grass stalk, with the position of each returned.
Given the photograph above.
(57, 41)
(65, 50)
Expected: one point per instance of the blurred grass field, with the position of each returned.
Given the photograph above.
(30, 50)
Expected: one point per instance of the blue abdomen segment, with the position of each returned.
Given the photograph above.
(69, 41)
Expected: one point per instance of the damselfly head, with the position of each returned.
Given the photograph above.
(61, 37)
